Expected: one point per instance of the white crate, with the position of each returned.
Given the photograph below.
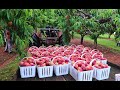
(68, 62)
(117, 77)
(28, 71)
(46, 71)
(104, 61)
(61, 69)
(101, 74)
(81, 76)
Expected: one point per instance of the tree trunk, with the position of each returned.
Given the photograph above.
(72, 34)
(109, 36)
(95, 43)
(82, 37)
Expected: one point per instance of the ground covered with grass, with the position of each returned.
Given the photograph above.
(8, 72)
(104, 41)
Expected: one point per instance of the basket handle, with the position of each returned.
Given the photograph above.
(42, 47)
(83, 55)
(45, 51)
(53, 52)
(72, 45)
(29, 57)
(80, 46)
(65, 46)
(44, 57)
(71, 55)
(50, 46)
(61, 48)
(67, 50)
(94, 50)
(84, 50)
(92, 61)
(95, 54)
(75, 50)
(55, 57)
(78, 61)
(33, 47)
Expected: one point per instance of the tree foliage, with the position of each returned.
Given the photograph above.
(83, 21)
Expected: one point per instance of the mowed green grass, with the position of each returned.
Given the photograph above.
(105, 36)
(7, 72)
(103, 40)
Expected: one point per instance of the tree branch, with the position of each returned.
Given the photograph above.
(85, 14)
(101, 21)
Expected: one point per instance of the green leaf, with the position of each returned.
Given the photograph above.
(8, 16)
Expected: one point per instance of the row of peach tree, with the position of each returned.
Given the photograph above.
(23, 22)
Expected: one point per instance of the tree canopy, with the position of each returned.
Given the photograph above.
(93, 22)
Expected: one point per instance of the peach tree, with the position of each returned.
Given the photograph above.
(17, 21)
(22, 23)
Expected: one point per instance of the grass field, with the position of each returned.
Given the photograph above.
(105, 36)
(7, 72)
(103, 40)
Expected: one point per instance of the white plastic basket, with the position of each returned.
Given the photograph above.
(101, 74)
(81, 76)
(28, 71)
(46, 71)
(117, 77)
(67, 58)
(103, 61)
(61, 69)
(68, 63)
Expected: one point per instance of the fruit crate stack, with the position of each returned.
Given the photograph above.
(63, 60)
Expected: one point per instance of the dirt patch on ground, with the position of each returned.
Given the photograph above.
(112, 57)
(5, 57)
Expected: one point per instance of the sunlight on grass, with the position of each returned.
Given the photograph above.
(106, 36)
(105, 42)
